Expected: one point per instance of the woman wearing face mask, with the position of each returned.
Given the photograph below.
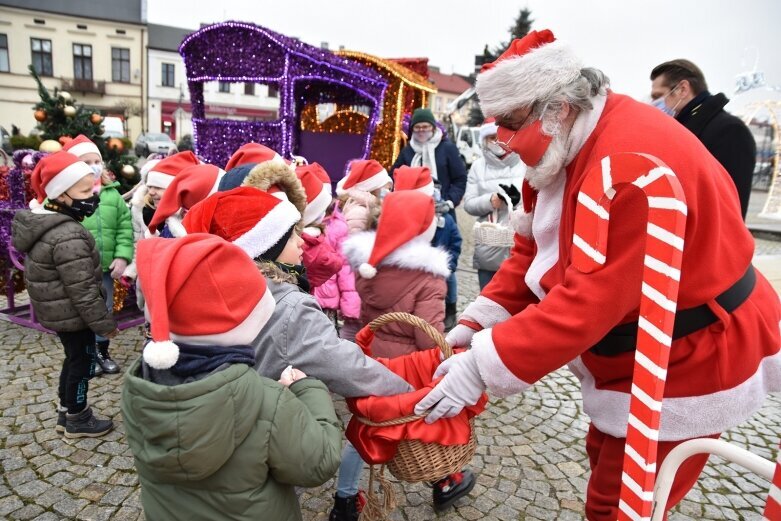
(113, 232)
(429, 147)
(492, 177)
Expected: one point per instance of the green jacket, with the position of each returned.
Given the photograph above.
(231, 446)
(112, 227)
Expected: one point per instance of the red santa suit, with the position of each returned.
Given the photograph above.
(539, 312)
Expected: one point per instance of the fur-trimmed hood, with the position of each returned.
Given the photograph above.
(417, 254)
(269, 174)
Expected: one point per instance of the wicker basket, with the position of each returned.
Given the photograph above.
(416, 461)
(491, 233)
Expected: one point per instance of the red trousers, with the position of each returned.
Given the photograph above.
(606, 457)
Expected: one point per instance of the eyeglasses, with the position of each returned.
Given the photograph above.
(516, 124)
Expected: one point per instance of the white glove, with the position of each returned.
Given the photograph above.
(460, 336)
(461, 386)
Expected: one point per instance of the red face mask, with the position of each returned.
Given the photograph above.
(530, 142)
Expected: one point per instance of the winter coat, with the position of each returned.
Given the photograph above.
(63, 272)
(111, 227)
(229, 446)
(451, 172)
(300, 334)
(321, 260)
(728, 139)
(339, 292)
(448, 238)
(412, 280)
(140, 229)
(485, 176)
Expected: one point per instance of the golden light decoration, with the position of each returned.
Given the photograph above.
(407, 90)
(120, 294)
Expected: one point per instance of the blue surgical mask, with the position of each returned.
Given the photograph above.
(97, 169)
(661, 105)
(383, 192)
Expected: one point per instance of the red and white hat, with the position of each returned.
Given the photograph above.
(405, 216)
(252, 153)
(251, 219)
(532, 68)
(414, 178)
(162, 174)
(81, 145)
(56, 173)
(364, 174)
(199, 290)
(317, 186)
(488, 128)
(193, 184)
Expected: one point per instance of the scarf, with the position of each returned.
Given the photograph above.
(425, 152)
(298, 272)
(195, 360)
(54, 206)
(147, 212)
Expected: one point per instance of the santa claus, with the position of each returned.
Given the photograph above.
(539, 312)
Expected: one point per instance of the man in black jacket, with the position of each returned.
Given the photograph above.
(678, 88)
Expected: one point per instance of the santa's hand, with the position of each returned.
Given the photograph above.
(460, 336)
(461, 387)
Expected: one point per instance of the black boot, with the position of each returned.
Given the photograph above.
(450, 316)
(85, 425)
(104, 361)
(346, 508)
(60, 427)
(450, 489)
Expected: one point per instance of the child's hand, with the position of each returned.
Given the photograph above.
(117, 268)
(290, 375)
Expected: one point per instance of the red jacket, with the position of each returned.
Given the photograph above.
(412, 280)
(545, 316)
(320, 259)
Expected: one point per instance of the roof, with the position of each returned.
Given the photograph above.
(452, 83)
(128, 11)
(392, 68)
(419, 65)
(166, 38)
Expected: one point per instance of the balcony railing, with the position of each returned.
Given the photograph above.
(84, 86)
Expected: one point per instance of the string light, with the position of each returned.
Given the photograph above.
(244, 52)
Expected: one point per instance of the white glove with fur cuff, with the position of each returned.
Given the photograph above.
(461, 386)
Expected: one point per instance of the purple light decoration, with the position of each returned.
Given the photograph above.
(245, 52)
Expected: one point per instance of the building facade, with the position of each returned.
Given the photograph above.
(449, 87)
(94, 50)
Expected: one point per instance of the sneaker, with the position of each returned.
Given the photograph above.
(60, 427)
(104, 361)
(85, 425)
(347, 508)
(450, 489)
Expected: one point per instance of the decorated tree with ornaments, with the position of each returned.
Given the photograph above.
(61, 119)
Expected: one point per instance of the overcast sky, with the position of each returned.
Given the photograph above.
(624, 38)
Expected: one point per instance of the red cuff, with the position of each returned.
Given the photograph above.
(470, 324)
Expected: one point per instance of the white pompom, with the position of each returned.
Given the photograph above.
(521, 222)
(367, 271)
(34, 204)
(161, 355)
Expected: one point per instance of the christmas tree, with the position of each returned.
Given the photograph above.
(61, 119)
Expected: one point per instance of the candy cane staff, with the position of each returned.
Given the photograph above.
(540, 312)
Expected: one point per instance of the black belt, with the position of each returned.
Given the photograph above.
(623, 338)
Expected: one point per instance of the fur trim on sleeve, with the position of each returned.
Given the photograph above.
(499, 380)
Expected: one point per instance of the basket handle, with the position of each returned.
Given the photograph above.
(436, 336)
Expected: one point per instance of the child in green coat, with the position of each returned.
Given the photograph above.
(112, 228)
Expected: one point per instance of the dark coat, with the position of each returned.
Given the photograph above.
(63, 272)
(449, 238)
(727, 138)
(451, 171)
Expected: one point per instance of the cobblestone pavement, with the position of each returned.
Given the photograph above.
(530, 462)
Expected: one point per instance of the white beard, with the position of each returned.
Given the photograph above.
(551, 164)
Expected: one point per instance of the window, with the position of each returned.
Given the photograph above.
(42, 56)
(168, 75)
(4, 64)
(82, 61)
(249, 89)
(273, 91)
(120, 65)
(225, 86)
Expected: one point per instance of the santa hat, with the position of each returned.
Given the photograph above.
(406, 215)
(56, 173)
(253, 220)
(364, 174)
(414, 178)
(280, 180)
(488, 128)
(199, 290)
(252, 153)
(162, 174)
(149, 165)
(193, 184)
(81, 145)
(531, 69)
(317, 186)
